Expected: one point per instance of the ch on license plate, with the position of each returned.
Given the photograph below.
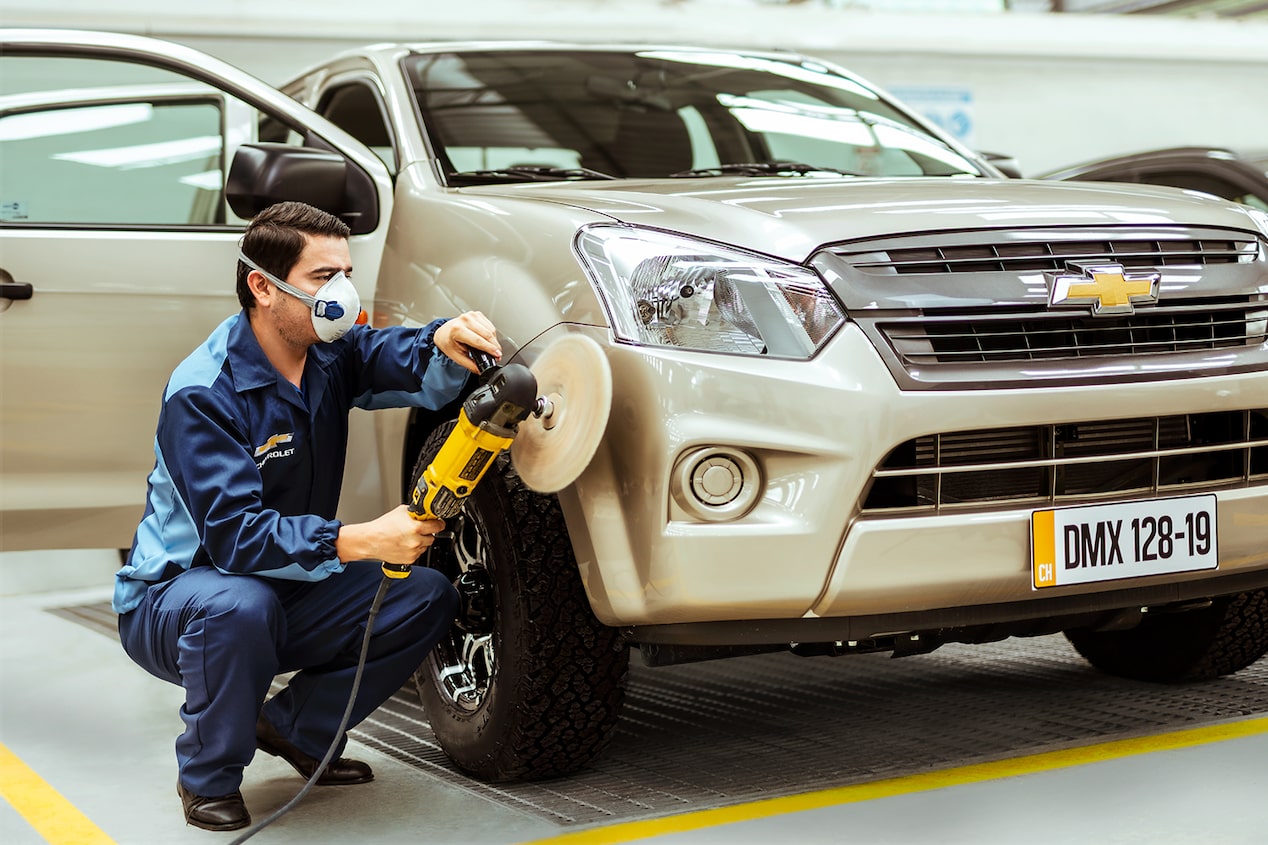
(1089, 543)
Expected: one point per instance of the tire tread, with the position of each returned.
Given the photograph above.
(1196, 645)
(560, 681)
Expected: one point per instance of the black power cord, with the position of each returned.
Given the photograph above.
(343, 724)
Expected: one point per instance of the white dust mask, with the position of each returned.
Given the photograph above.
(335, 307)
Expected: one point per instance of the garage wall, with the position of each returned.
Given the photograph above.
(1049, 89)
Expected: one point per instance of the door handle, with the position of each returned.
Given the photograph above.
(10, 289)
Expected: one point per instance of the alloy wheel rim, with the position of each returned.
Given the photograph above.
(463, 663)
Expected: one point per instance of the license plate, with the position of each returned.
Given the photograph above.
(1090, 543)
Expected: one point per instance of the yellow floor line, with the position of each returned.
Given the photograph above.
(44, 808)
(1031, 764)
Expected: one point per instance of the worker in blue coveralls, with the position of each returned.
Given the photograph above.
(239, 570)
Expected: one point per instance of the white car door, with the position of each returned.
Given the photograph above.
(117, 256)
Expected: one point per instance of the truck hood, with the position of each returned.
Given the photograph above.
(791, 217)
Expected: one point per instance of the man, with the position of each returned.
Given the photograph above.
(239, 570)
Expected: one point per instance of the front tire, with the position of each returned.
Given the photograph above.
(528, 684)
(1193, 645)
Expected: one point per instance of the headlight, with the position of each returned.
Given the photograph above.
(668, 290)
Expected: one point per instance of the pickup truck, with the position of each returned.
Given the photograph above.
(868, 394)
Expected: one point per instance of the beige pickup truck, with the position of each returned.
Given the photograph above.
(868, 393)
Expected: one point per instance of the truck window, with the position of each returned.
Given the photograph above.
(356, 108)
(114, 162)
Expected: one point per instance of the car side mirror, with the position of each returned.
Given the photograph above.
(262, 175)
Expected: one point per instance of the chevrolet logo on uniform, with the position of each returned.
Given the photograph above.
(274, 440)
(1105, 287)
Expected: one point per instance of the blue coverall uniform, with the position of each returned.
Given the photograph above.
(233, 578)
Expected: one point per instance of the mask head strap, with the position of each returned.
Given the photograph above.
(329, 309)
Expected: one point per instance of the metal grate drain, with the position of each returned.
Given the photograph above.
(712, 734)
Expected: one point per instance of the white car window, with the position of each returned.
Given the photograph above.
(96, 142)
(93, 141)
(129, 162)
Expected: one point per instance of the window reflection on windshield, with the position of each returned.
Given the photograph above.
(515, 116)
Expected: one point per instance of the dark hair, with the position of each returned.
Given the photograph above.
(277, 236)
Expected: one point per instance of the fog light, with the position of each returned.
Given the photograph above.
(716, 483)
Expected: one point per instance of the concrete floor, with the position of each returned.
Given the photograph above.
(87, 754)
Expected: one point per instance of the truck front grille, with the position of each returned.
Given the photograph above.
(1072, 462)
(971, 310)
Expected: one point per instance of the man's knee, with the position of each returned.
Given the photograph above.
(250, 601)
(197, 604)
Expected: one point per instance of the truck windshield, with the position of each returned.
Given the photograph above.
(532, 115)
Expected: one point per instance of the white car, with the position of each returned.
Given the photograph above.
(867, 394)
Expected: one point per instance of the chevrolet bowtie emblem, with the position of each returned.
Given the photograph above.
(1105, 287)
(274, 440)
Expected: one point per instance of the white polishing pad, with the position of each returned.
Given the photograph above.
(550, 451)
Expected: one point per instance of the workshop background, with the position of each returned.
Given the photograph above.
(1049, 83)
(1005, 76)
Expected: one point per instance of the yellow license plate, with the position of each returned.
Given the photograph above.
(1091, 543)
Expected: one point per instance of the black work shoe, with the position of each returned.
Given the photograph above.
(340, 772)
(224, 812)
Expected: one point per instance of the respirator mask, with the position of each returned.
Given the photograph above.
(335, 307)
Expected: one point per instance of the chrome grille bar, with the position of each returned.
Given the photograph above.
(1050, 255)
(1055, 462)
(1013, 337)
(1071, 462)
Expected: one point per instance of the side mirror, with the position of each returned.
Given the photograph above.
(262, 175)
(1004, 163)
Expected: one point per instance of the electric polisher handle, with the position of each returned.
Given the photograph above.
(487, 423)
(483, 360)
